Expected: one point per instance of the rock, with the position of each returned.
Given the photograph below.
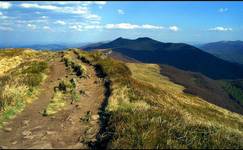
(8, 129)
(93, 122)
(50, 132)
(26, 133)
(30, 137)
(26, 122)
(95, 117)
(14, 142)
(39, 135)
(37, 127)
(3, 147)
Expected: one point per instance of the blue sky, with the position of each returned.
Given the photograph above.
(79, 22)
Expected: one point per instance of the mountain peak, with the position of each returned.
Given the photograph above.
(120, 38)
(144, 38)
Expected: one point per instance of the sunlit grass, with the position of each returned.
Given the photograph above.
(167, 117)
(20, 82)
(56, 104)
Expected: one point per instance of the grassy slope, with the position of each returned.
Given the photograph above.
(22, 73)
(202, 86)
(149, 111)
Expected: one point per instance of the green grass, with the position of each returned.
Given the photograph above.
(56, 104)
(233, 91)
(65, 92)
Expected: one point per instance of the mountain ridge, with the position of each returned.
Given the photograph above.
(227, 50)
(180, 55)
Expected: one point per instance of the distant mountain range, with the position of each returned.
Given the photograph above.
(46, 47)
(54, 47)
(180, 55)
(228, 50)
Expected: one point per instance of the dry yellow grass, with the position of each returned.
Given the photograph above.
(9, 63)
(194, 109)
(19, 85)
(11, 58)
(149, 111)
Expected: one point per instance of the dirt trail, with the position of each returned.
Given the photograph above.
(30, 129)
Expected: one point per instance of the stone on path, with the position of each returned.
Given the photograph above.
(8, 129)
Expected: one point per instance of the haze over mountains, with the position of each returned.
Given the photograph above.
(228, 50)
(55, 47)
(180, 55)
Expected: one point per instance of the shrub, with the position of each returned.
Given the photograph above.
(36, 67)
(65, 86)
(33, 80)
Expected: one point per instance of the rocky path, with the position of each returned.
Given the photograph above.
(73, 127)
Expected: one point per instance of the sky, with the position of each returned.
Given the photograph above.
(47, 22)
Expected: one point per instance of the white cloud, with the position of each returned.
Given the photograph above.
(78, 10)
(31, 21)
(173, 28)
(83, 3)
(121, 26)
(100, 2)
(148, 26)
(100, 7)
(221, 29)
(82, 27)
(223, 10)
(92, 17)
(120, 11)
(75, 10)
(47, 7)
(79, 27)
(32, 26)
(76, 27)
(43, 17)
(6, 28)
(93, 22)
(92, 27)
(5, 5)
(47, 28)
(71, 10)
(131, 26)
(3, 16)
(60, 22)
